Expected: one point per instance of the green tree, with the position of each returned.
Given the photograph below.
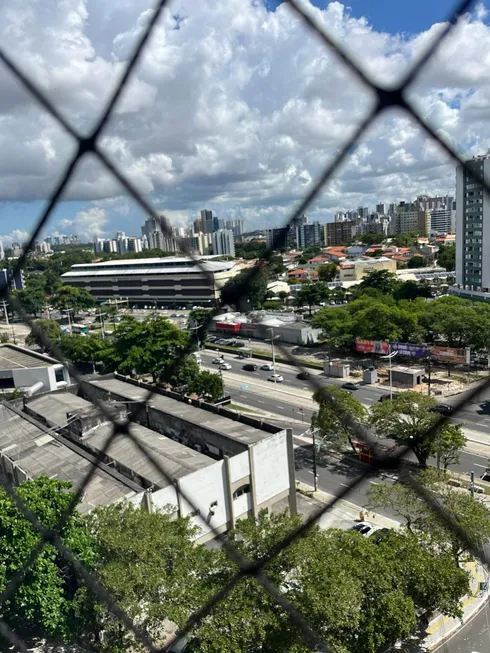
(51, 330)
(69, 297)
(327, 271)
(410, 290)
(46, 602)
(449, 443)
(152, 568)
(338, 416)
(336, 324)
(459, 322)
(146, 347)
(251, 249)
(200, 318)
(373, 239)
(311, 294)
(208, 385)
(248, 285)
(428, 526)
(81, 350)
(379, 321)
(446, 257)
(271, 305)
(275, 265)
(416, 262)
(283, 296)
(31, 299)
(381, 280)
(181, 372)
(408, 421)
(405, 240)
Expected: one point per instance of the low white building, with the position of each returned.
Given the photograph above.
(23, 369)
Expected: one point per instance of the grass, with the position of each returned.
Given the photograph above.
(243, 409)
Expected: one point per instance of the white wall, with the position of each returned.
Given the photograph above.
(23, 378)
(204, 487)
(164, 497)
(239, 466)
(271, 467)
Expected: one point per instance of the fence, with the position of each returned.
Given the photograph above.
(386, 99)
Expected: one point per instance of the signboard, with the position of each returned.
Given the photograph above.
(228, 326)
(409, 350)
(451, 354)
(372, 346)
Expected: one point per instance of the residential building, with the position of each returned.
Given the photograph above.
(42, 247)
(236, 226)
(381, 209)
(210, 223)
(339, 232)
(200, 243)
(2, 251)
(168, 281)
(107, 245)
(473, 231)
(197, 225)
(223, 242)
(277, 238)
(221, 224)
(442, 220)
(298, 222)
(151, 231)
(309, 235)
(356, 270)
(411, 217)
(126, 244)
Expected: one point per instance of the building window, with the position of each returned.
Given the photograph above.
(59, 376)
(243, 489)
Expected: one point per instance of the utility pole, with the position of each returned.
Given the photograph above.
(472, 484)
(428, 378)
(389, 356)
(315, 475)
(100, 315)
(273, 353)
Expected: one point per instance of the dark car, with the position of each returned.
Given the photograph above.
(303, 376)
(380, 535)
(350, 385)
(250, 367)
(444, 409)
(394, 395)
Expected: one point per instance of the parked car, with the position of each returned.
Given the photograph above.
(303, 375)
(217, 361)
(239, 344)
(363, 528)
(267, 366)
(250, 367)
(380, 535)
(444, 409)
(394, 395)
(212, 338)
(225, 366)
(350, 385)
(275, 378)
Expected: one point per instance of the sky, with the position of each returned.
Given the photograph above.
(235, 107)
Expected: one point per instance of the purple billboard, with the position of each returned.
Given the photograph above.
(407, 349)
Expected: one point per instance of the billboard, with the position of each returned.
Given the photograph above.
(372, 346)
(412, 351)
(451, 354)
(228, 326)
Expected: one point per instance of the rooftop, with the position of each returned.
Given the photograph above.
(40, 453)
(138, 262)
(175, 459)
(93, 269)
(13, 357)
(223, 426)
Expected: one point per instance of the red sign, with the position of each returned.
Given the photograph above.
(228, 326)
(451, 354)
(372, 346)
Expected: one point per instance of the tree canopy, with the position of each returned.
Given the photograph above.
(50, 328)
(337, 417)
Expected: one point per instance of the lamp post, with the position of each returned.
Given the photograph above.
(273, 337)
(390, 356)
(315, 475)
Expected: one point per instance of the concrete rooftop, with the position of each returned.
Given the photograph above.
(13, 357)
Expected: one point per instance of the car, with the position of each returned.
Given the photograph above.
(212, 338)
(225, 366)
(275, 378)
(250, 367)
(217, 361)
(444, 409)
(350, 385)
(302, 376)
(239, 344)
(393, 395)
(268, 367)
(380, 535)
(363, 528)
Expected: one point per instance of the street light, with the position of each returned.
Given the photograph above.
(390, 356)
(273, 337)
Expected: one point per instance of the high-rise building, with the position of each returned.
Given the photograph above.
(2, 251)
(442, 220)
(152, 230)
(309, 235)
(223, 243)
(277, 238)
(381, 209)
(337, 233)
(298, 222)
(198, 226)
(473, 230)
(411, 217)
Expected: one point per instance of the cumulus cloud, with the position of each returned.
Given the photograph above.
(232, 107)
(16, 236)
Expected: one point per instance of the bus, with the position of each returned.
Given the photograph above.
(79, 328)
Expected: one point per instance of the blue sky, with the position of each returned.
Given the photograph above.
(405, 16)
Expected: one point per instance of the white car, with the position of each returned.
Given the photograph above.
(217, 361)
(276, 378)
(364, 528)
(267, 366)
(225, 366)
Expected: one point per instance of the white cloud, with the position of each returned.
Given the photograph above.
(86, 224)
(16, 236)
(232, 107)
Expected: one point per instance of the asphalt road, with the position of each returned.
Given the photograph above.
(476, 416)
(473, 638)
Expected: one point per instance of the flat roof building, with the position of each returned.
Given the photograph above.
(172, 280)
(28, 449)
(23, 368)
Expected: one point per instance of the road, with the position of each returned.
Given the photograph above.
(473, 638)
(475, 416)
